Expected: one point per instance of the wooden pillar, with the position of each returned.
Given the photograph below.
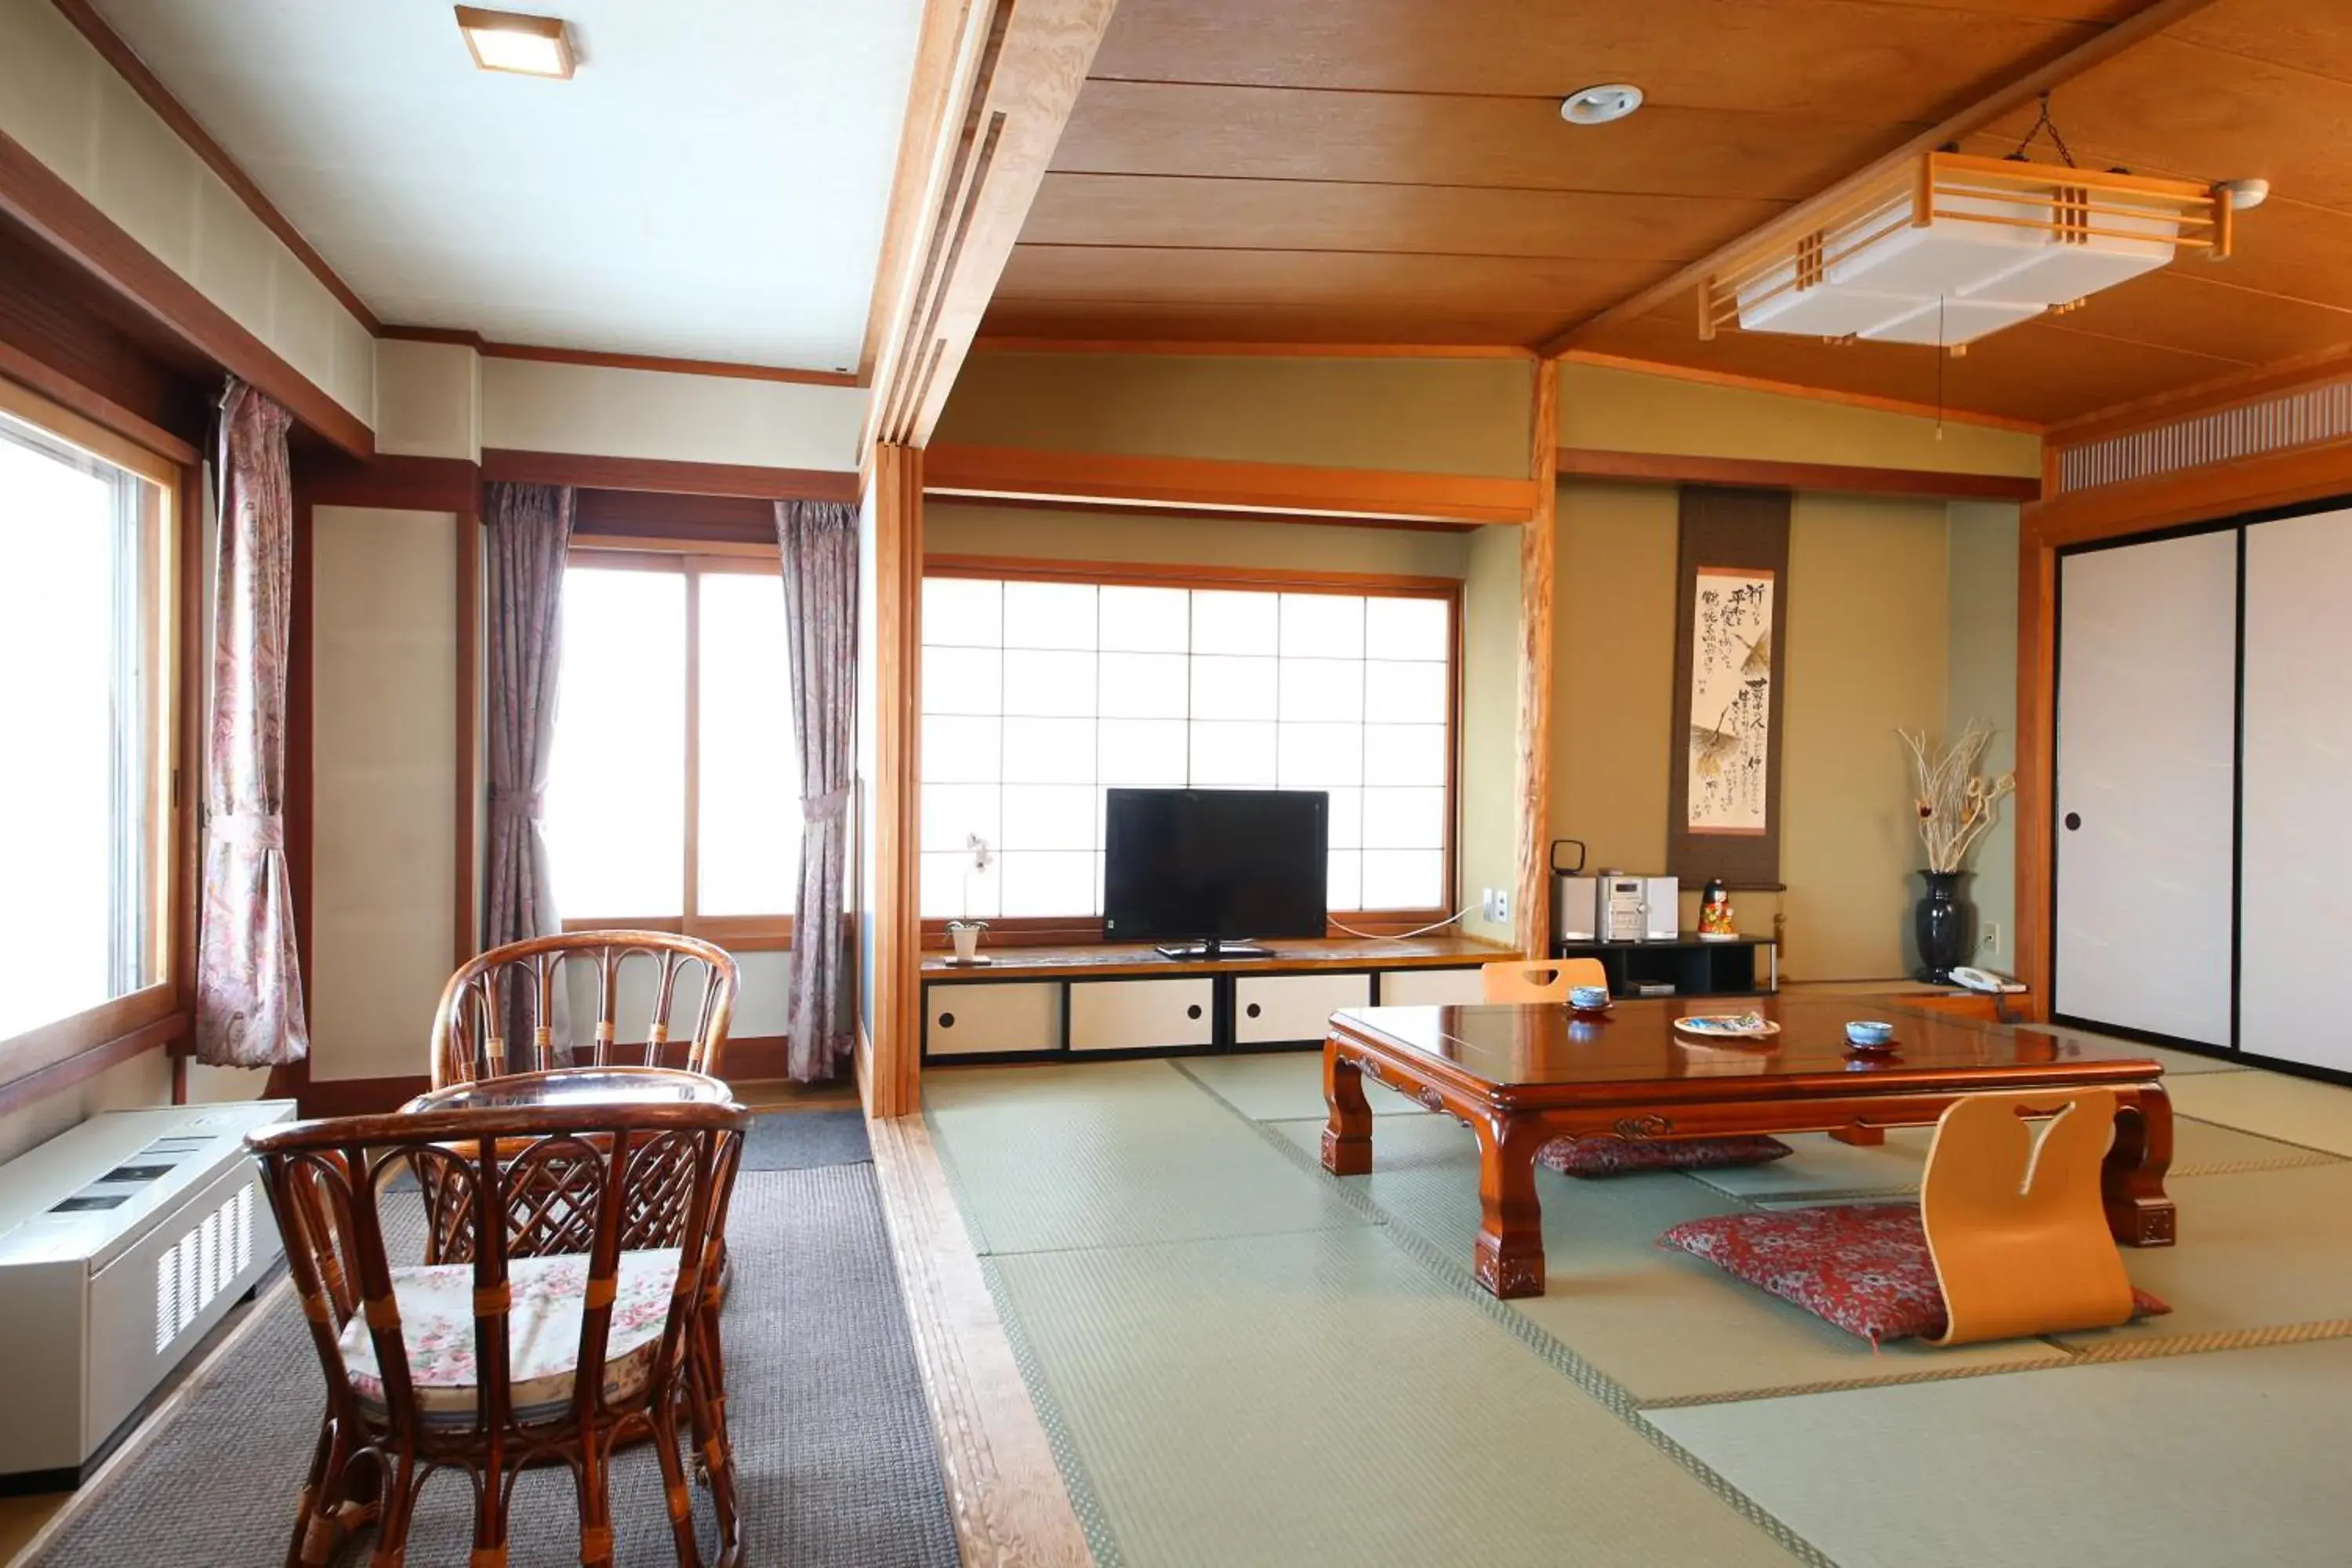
(889, 1077)
(2037, 674)
(1532, 904)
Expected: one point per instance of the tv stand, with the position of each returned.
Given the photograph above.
(1188, 951)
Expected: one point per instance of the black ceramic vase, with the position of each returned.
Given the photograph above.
(1941, 924)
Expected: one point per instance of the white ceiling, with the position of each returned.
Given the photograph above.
(711, 184)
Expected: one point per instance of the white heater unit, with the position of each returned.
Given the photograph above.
(121, 1243)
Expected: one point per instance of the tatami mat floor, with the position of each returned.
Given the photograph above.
(1241, 1360)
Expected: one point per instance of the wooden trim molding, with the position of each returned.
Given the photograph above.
(65, 1071)
(2251, 384)
(37, 377)
(490, 348)
(395, 483)
(1206, 348)
(2036, 760)
(1753, 473)
(1139, 574)
(37, 197)
(668, 474)
(1017, 474)
(2048, 72)
(1706, 377)
(2193, 495)
(1531, 913)
(896, 500)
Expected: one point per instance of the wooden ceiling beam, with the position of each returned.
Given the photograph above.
(2141, 25)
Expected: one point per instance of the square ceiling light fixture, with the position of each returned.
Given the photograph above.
(1956, 246)
(510, 41)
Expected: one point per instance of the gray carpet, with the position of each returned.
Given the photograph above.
(804, 1140)
(834, 1454)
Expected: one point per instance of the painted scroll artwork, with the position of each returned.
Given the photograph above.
(1730, 700)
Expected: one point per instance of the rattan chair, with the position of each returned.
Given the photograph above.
(468, 1365)
(479, 1029)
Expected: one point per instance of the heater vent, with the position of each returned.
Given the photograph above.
(215, 1250)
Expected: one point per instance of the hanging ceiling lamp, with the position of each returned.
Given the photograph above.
(1954, 246)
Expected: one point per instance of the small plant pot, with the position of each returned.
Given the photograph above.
(965, 935)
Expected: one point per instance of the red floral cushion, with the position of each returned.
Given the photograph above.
(1622, 1156)
(1865, 1268)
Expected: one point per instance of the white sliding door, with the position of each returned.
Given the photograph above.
(2297, 862)
(2147, 768)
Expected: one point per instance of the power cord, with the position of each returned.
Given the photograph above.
(1401, 936)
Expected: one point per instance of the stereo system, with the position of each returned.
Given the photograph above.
(1612, 906)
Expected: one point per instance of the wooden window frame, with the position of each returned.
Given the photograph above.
(1039, 930)
(736, 933)
(54, 1055)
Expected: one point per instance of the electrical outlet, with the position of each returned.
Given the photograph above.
(1502, 906)
(1988, 939)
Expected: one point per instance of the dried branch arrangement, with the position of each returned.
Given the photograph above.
(1955, 802)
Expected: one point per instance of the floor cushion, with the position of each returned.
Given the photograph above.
(1624, 1156)
(436, 1327)
(1863, 1266)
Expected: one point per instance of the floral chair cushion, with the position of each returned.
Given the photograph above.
(437, 1326)
(1865, 1268)
(1622, 1156)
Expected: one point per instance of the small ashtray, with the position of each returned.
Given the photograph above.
(1869, 1034)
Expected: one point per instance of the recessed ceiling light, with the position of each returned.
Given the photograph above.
(1600, 105)
(510, 41)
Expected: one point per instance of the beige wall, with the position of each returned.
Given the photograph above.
(1486, 834)
(1425, 416)
(384, 771)
(69, 109)
(1610, 409)
(961, 528)
(538, 405)
(143, 1080)
(1982, 684)
(428, 399)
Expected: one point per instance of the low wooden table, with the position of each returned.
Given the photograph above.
(1520, 1076)
(619, 1085)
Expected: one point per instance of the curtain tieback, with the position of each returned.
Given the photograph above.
(262, 830)
(830, 804)
(527, 803)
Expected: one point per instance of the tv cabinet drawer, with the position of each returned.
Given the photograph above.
(1143, 1015)
(1432, 988)
(1268, 1008)
(977, 1018)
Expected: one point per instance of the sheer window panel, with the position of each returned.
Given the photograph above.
(1329, 689)
(1396, 692)
(1322, 625)
(1236, 623)
(747, 830)
(1234, 755)
(962, 612)
(1049, 751)
(1050, 817)
(616, 832)
(1050, 614)
(1048, 882)
(1145, 620)
(1403, 880)
(963, 750)
(1049, 683)
(1141, 751)
(962, 680)
(1145, 686)
(951, 890)
(1317, 756)
(1345, 889)
(1346, 830)
(1409, 628)
(1405, 819)
(1227, 687)
(953, 813)
(1404, 754)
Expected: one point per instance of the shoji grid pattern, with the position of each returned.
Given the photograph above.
(2273, 425)
(1039, 696)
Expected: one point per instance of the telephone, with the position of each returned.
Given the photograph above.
(1984, 980)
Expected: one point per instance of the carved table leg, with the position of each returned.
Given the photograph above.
(1858, 1135)
(1510, 1256)
(1348, 1136)
(2132, 1182)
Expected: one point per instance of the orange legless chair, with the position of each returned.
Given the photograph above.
(1540, 980)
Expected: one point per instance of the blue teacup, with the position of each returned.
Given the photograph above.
(1588, 998)
(1869, 1034)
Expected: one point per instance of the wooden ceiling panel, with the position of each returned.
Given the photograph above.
(2190, 306)
(1359, 281)
(1238, 132)
(1849, 58)
(1292, 215)
(1160, 322)
(2308, 35)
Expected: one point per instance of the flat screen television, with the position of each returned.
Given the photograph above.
(1208, 868)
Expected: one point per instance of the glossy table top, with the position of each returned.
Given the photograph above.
(578, 1086)
(1546, 1046)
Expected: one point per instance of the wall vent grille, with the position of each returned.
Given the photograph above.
(2273, 425)
(188, 1276)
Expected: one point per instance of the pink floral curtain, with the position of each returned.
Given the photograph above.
(529, 529)
(248, 1000)
(818, 541)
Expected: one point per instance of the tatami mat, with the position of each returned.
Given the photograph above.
(1109, 1154)
(2317, 1115)
(1284, 1086)
(1661, 1324)
(1319, 1398)
(2199, 1462)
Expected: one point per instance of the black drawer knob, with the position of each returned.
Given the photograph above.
(1252, 1009)
(1194, 1011)
(947, 1020)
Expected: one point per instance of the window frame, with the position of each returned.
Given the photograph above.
(1037, 931)
(170, 622)
(694, 560)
